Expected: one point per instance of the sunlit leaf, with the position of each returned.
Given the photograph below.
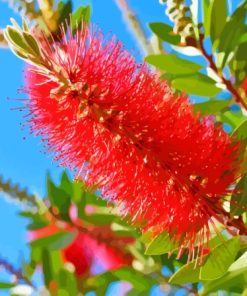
(165, 32)
(211, 107)
(54, 242)
(219, 260)
(161, 244)
(232, 32)
(197, 84)
(217, 18)
(215, 265)
(173, 64)
(81, 15)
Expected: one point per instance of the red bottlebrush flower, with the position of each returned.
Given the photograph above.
(123, 130)
(85, 251)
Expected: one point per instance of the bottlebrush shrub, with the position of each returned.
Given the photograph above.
(86, 251)
(125, 131)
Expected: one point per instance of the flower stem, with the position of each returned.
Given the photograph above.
(229, 85)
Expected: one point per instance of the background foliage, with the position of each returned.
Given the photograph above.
(201, 51)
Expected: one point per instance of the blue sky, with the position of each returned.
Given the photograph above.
(21, 159)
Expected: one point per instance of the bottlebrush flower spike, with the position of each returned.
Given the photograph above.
(123, 130)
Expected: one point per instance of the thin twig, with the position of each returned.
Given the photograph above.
(229, 86)
(16, 272)
(136, 26)
(15, 193)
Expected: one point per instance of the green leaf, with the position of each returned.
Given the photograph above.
(51, 263)
(232, 32)
(238, 203)
(66, 184)
(139, 281)
(37, 223)
(206, 16)
(16, 38)
(47, 267)
(235, 281)
(186, 274)
(56, 241)
(215, 264)
(4, 285)
(165, 33)
(59, 198)
(81, 15)
(220, 259)
(211, 107)
(64, 10)
(173, 64)
(232, 118)
(238, 64)
(197, 84)
(32, 43)
(240, 132)
(239, 264)
(67, 282)
(161, 244)
(218, 18)
(100, 219)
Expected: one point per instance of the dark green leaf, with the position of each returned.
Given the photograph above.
(173, 64)
(4, 285)
(160, 244)
(54, 242)
(232, 32)
(197, 84)
(32, 43)
(240, 132)
(239, 62)
(211, 107)
(218, 18)
(100, 219)
(165, 33)
(67, 282)
(47, 267)
(59, 198)
(37, 223)
(239, 199)
(52, 264)
(82, 15)
(66, 184)
(64, 10)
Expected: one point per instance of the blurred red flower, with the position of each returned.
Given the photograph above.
(125, 131)
(86, 253)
